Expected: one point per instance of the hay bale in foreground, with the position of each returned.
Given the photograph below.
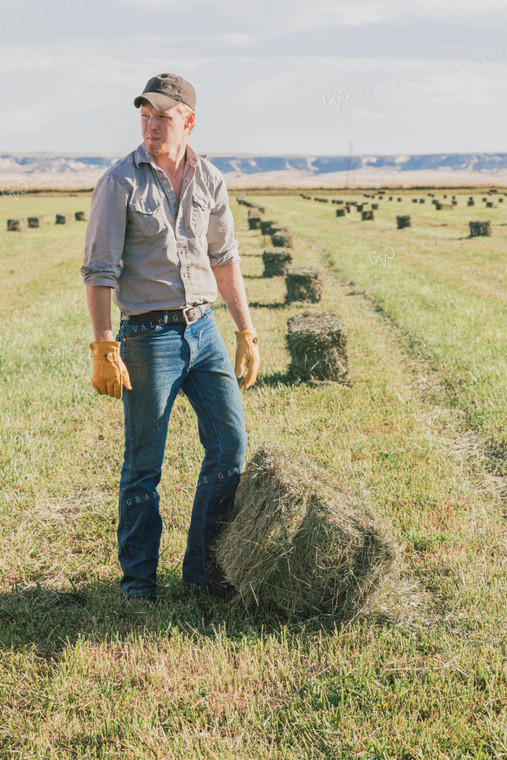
(317, 343)
(303, 284)
(367, 215)
(80, 216)
(276, 261)
(298, 543)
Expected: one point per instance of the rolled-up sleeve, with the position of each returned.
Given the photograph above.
(105, 233)
(222, 245)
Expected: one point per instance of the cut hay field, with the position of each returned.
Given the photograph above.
(421, 426)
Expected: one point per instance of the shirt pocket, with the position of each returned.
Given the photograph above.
(148, 220)
(199, 214)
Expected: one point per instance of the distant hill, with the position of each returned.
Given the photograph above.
(51, 170)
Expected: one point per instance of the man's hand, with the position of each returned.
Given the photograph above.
(109, 371)
(247, 357)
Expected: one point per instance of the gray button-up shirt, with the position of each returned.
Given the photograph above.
(155, 253)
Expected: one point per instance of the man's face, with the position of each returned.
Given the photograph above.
(163, 131)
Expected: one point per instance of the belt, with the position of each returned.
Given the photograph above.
(186, 315)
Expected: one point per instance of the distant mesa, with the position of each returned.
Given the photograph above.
(41, 170)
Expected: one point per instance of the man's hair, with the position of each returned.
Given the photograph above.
(182, 109)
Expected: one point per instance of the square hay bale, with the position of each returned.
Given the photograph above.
(422, 200)
(266, 225)
(490, 204)
(367, 216)
(254, 218)
(276, 261)
(282, 240)
(374, 206)
(470, 202)
(80, 216)
(317, 343)
(275, 228)
(63, 218)
(340, 212)
(298, 543)
(403, 221)
(19, 224)
(35, 221)
(303, 284)
(480, 229)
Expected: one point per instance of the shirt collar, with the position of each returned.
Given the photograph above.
(141, 156)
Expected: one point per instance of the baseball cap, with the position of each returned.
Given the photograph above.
(166, 91)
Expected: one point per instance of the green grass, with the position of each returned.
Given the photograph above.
(81, 676)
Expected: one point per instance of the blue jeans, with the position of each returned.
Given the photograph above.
(161, 359)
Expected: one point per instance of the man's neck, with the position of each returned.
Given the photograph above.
(173, 163)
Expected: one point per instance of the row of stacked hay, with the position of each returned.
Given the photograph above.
(296, 542)
(454, 199)
(20, 224)
(477, 228)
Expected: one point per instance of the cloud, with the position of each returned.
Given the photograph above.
(289, 16)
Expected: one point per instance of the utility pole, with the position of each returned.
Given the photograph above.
(349, 169)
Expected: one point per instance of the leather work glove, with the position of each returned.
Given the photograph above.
(247, 357)
(109, 370)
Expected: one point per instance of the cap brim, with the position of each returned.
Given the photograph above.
(157, 100)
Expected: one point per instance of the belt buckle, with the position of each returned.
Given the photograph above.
(183, 311)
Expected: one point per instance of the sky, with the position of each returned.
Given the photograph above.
(272, 77)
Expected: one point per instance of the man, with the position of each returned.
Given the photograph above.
(161, 234)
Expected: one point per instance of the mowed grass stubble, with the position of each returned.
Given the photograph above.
(82, 677)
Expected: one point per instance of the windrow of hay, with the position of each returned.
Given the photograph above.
(299, 543)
